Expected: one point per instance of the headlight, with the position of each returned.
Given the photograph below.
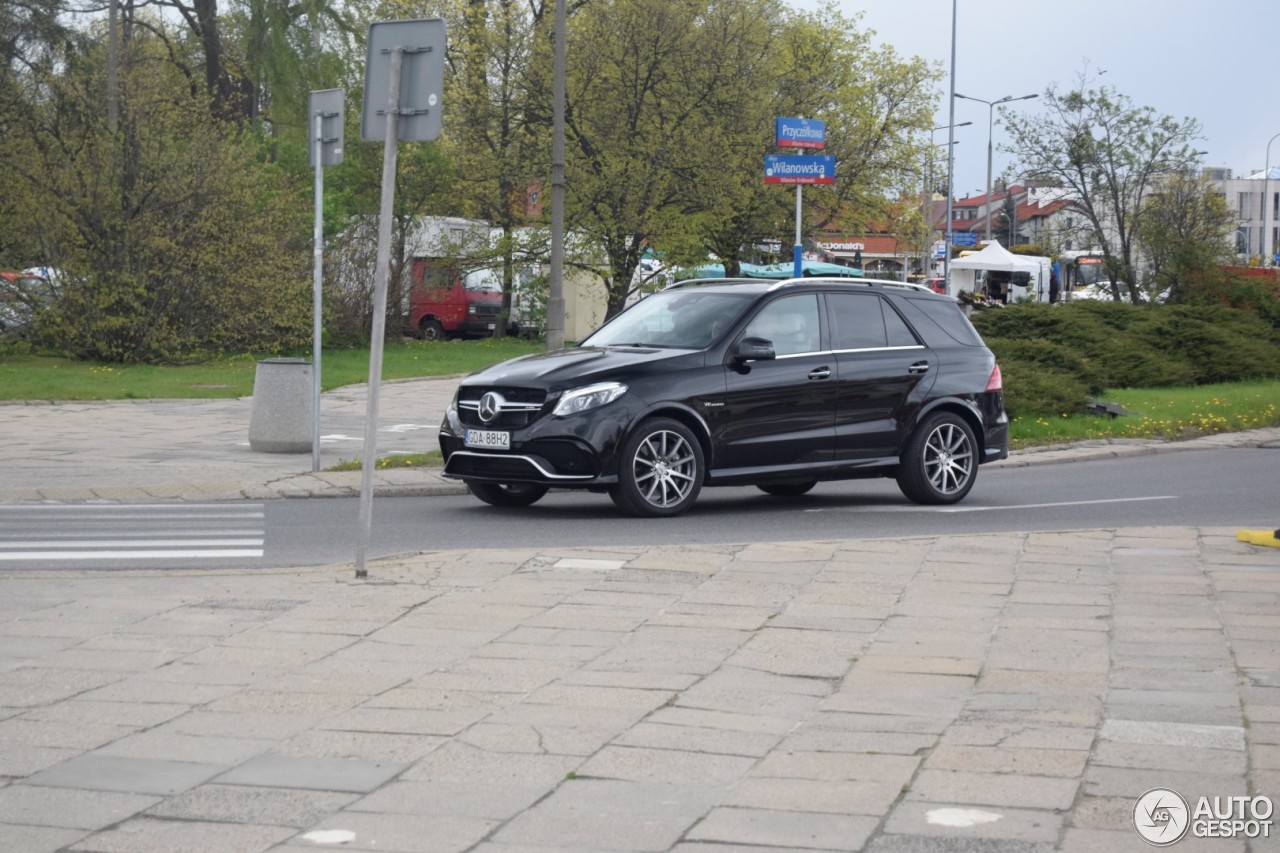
(582, 399)
(452, 423)
(471, 309)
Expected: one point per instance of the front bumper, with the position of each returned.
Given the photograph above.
(576, 451)
(478, 326)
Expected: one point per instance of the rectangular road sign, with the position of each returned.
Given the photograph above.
(799, 169)
(421, 45)
(800, 133)
(964, 238)
(328, 106)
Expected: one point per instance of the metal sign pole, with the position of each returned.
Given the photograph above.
(317, 279)
(379, 309)
(798, 251)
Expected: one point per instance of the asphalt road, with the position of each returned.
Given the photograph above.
(1229, 487)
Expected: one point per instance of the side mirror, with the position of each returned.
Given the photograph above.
(754, 349)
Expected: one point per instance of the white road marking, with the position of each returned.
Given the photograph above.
(127, 555)
(81, 532)
(991, 508)
(129, 543)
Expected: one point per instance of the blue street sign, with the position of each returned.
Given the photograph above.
(800, 133)
(799, 169)
(964, 238)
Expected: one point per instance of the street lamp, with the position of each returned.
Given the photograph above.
(991, 109)
(1266, 176)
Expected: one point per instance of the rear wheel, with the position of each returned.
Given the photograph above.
(507, 494)
(787, 490)
(661, 470)
(940, 463)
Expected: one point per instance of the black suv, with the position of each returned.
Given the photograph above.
(739, 382)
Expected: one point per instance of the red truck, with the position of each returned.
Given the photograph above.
(446, 301)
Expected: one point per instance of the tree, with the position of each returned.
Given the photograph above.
(671, 111)
(642, 107)
(490, 135)
(1184, 226)
(1110, 154)
(177, 240)
(815, 65)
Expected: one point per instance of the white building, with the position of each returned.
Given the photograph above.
(1258, 221)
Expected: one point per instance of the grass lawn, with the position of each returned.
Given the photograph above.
(1173, 413)
(37, 377)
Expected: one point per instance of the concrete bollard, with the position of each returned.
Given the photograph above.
(280, 421)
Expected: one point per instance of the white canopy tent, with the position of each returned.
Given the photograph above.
(994, 257)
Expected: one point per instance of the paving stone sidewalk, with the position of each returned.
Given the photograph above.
(1013, 693)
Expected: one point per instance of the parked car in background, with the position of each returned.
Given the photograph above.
(716, 382)
(22, 296)
(446, 301)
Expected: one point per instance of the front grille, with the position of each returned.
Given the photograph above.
(487, 309)
(519, 407)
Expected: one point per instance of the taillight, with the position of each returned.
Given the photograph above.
(995, 383)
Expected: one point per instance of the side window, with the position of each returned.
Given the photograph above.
(856, 319)
(438, 277)
(933, 315)
(900, 334)
(791, 323)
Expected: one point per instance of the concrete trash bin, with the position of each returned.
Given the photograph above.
(280, 421)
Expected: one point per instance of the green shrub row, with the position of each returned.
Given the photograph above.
(1054, 358)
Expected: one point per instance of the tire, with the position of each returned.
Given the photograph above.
(787, 490)
(940, 462)
(430, 330)
(507, 494)
(660, 471)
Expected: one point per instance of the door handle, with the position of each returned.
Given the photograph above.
(820, 373)
(919, 367)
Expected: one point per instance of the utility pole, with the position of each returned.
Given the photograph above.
(555, 299)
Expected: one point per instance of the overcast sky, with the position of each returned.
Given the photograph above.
(1217, 61)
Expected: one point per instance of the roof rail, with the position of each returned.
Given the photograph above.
(880, 282)
(689, 282)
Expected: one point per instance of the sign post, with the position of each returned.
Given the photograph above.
(325, 106)
(799, 170)
(404, 79)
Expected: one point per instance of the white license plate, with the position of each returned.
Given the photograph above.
(491, 326)
(490, 438)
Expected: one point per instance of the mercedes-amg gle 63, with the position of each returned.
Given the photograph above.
(728, 382)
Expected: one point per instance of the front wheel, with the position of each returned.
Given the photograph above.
(661, 470)
(940, 462)
(507, 494)
(431, 330)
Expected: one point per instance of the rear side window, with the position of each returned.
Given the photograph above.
(865, 321)
(933, 315)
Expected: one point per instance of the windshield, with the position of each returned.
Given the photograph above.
(1090, 271)
(485, 280)
(682, 319)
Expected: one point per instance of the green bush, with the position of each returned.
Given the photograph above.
(1031, 388)
(1256, 295)
(1054, 357)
